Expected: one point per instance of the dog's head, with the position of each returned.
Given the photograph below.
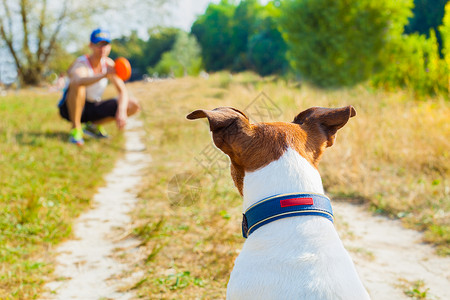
(252, 146)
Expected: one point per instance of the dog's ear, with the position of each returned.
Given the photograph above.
(218, 118)
(226, 124)
(329, 120)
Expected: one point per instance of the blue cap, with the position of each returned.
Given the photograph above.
(100, 35)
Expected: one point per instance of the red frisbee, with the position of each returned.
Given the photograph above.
(123, 68)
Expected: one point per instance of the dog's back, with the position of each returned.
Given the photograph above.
(295, 264)
(292, 258)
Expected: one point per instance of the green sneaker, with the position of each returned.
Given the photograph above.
(76, 137)
(95, 131)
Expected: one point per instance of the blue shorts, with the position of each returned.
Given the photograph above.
(92, 111)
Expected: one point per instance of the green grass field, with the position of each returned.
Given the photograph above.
(44, 183)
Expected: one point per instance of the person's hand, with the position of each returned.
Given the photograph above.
(110, 70)
(121, 119)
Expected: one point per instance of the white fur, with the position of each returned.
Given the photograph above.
(292, 258)
(291, 173)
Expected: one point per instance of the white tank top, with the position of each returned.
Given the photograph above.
(94, 91)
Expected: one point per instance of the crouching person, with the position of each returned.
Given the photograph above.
(82, 101)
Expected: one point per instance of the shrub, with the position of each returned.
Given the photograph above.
(334, 43)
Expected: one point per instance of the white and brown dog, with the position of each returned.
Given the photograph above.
(293, 250)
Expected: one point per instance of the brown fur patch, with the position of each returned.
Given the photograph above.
(267, 143)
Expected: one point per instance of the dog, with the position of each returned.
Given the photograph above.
(292, 250)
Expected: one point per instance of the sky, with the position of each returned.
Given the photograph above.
(182, 15)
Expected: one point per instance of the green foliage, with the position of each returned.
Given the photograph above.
(161, 40)
(417, 290)
(179, 281)
(214, 32)
(427, 14)
(339, 42)
(144, 54)
(413, 62)
(244, 24)
(184, 58)
(132, 48)
(240, 37)
(444, 29)
(266, 49)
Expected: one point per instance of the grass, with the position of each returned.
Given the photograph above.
(45, 182)
(393, 155)
(415, 290)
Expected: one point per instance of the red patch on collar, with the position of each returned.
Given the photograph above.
(296, 201)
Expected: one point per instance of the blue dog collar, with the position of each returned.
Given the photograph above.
(285, 206)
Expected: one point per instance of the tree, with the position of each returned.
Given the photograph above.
(32, 30)
(413, 62)
(266, 49)
(240, 37)
(184, 58)
(213, 31)
(244, 23)
(131, 47)
(144, 54)
(161, 40)
(444, 29)
(427, 14)
(336, 43)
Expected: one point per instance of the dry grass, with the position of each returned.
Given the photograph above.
(394, 154)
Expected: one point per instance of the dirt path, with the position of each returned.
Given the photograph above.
(86, 264)
(389, 258)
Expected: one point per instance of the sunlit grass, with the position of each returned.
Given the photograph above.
(394, 154)
(44, 183)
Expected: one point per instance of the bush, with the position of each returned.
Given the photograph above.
(266, 49)
(445, 35)
(413, 62)
(184, 59)
(334, 43)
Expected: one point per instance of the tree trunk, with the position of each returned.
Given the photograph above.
(30, 76)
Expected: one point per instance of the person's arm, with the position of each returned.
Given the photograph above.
(79, 75)
(86, 80)
(121, 114)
